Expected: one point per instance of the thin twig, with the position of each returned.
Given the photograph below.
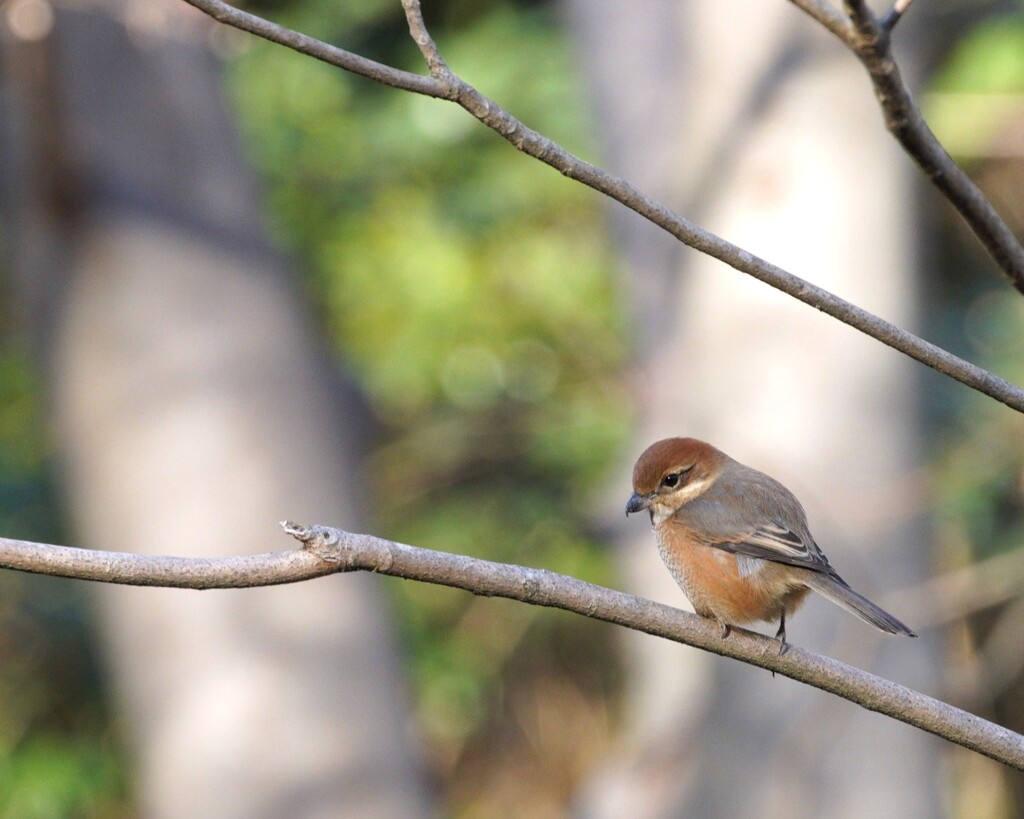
(310, 46)
(869, 40)
(864, 23)
(540, 147)
(899, 8)
(428, 48)
(828, 15)
(329, 551)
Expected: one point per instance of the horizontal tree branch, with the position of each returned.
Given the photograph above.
(443, 83)
(328, 551)
(869, 39)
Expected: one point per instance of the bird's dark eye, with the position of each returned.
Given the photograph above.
(674, 479)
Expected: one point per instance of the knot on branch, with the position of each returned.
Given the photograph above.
(323, 541)
(533, 589)
(338, 546)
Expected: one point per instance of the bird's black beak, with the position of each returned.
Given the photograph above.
(637, 503)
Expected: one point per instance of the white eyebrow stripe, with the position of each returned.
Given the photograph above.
(690, 491)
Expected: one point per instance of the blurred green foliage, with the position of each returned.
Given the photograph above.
(979, 93)
(470, 292)
(58, 753)
(976, 100)
(990, 61)
(26, 504)
(980, 475)
(978, 480)
(976, 107)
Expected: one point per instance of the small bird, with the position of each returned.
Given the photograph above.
(736, 540)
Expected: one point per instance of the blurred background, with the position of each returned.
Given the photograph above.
(241, 286)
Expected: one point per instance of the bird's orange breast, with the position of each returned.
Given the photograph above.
(713, 581)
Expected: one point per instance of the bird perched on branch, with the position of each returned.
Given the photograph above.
(735, 540)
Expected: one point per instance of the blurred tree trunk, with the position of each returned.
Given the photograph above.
(752, 120)
(195, 408)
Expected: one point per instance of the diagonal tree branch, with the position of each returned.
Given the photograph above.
(310, 46)
(829, 16)
(868, 38)
(329, 551)
(443, 83)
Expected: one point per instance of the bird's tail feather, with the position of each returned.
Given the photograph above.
(835, 589)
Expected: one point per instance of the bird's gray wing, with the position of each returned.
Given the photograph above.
(772, 541)
(780, 533)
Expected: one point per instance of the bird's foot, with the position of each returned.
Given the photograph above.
(780, 635)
